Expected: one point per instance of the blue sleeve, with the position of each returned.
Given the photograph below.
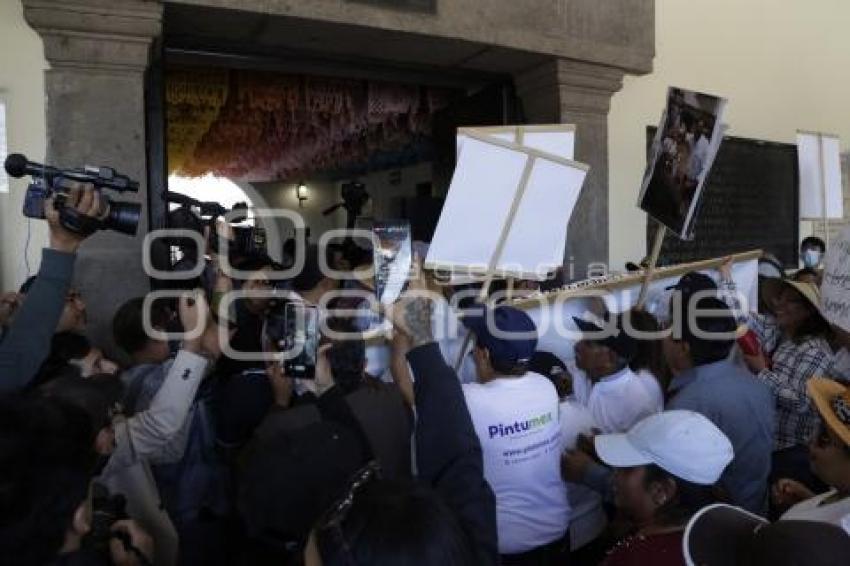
(27, 343)
(448, 453)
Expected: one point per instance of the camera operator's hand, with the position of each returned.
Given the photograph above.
(9, 303)
(140, 550)
(86, 200)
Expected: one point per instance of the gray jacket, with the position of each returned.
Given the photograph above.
(146, 437)
(27, 342)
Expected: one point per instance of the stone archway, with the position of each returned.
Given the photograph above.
(568, 57)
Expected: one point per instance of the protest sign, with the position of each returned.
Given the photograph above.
(507, 210)
(685, 145)
(835, 289)
(819, 159)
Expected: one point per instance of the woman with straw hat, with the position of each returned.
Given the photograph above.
(829, 453)
(795, 348)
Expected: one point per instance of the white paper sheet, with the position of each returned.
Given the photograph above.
(812, 165)
(486, 182)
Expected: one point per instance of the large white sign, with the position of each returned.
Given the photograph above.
(508, 207)
(835, 289)
(819, 159)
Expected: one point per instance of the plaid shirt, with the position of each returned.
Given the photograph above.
(793, 365)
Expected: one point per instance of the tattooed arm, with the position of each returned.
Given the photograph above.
(448, 452)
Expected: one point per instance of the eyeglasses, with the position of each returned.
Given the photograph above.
(331, 521)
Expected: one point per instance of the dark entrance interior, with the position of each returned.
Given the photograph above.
(292, 110)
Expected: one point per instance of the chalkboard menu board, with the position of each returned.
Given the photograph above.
(750, 201)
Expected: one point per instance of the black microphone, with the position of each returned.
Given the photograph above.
(17, 165)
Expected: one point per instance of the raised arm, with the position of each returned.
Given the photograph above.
(146, 433)
(448, 451)
(399, 368)
(27, 343)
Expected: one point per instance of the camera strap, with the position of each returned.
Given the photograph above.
(78, 223)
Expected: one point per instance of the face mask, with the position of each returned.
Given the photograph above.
(811, 258)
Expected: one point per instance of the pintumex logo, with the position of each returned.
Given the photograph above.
(518, 427)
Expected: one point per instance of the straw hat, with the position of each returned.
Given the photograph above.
(833, 402)
(810, 292)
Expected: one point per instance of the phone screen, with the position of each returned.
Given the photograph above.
(301, 340)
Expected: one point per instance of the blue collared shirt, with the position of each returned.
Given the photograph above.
(743, 408)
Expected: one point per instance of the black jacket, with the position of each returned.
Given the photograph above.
(448, 453)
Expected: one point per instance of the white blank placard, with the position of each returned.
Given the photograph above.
(557, 139)
(538, 235)
(487, 180)
(812, 165)
(561, 143)
(480, 197)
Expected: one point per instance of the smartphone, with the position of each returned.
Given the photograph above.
(392, 258)
(300, 340)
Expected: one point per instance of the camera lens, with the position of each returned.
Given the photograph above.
(123, 217)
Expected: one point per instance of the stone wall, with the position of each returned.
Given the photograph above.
(567, 56)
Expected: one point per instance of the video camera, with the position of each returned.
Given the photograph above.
(247, 240)
(354, 198)
(52, 182)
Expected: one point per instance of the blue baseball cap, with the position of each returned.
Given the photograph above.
(507, 332)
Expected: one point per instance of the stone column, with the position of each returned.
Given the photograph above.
(578, 93)
(98, 52)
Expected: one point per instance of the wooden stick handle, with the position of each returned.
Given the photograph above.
(650, 269)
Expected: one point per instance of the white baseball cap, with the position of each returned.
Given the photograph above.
(683, 443)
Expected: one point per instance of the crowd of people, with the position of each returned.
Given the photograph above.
(655, 447)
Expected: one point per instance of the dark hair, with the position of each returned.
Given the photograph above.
(650, 353)
(690, 497)
(347, 357)
(64, 347)
(813, 242)
(396, 522)
(509, 368)
(128, 329)
(96, 396)
(46, 463)
(705, 351)
(311, 273)
(806, 271)
(815, 325)
(255, 263)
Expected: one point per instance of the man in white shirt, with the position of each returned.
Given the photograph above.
(619, 398)
(515, 414)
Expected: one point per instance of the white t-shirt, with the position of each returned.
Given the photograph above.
(812, 510)
(587, 517)
(620, 400)
(653, 389)
(517, 422)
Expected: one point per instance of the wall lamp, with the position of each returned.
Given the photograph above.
(301, 193)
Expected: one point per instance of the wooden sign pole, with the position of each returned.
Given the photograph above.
(509, 290)
(823, 191)
(497, 253)
(650, 268)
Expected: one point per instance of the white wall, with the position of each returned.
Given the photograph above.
(22, 67)
(783, 65)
